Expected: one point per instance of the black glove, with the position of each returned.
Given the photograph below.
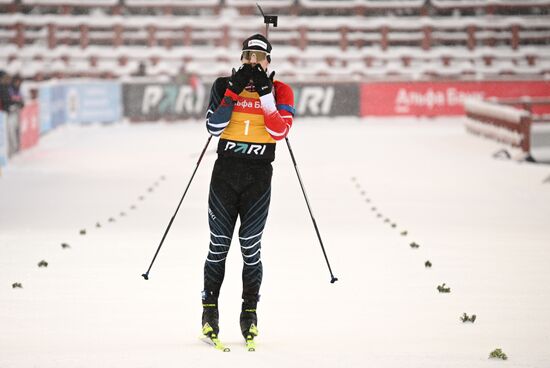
(262, 82)
(240, 78)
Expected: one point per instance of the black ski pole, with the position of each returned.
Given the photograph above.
(272, 19)
(333, 279)
(146, 274)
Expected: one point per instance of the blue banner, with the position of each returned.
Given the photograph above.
(45, 110)
(93, 102)
(57, 105)
(3, 139)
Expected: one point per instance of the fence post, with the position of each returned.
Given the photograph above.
(52, 41)
(343, 38)
(426, 38)
(525, 127)
(84, 36)
(20, 34)
(384, 37)
(471, 37)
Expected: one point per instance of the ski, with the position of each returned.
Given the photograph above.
(209, 337)
(250, 343)
(215, 342)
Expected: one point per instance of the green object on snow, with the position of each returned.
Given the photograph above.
(498, 354)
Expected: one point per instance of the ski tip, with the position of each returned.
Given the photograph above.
(219, 346)
(250, 343)
(215, 343)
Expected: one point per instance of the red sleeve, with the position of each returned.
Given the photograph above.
(278, 110)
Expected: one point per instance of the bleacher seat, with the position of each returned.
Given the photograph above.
(313, 39)
(88, 3)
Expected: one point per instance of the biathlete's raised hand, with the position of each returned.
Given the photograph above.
(238, 81)
(262, 83)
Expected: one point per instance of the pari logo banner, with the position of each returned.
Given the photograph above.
(172, 101)
(164, 101)
(326, 99)
(439, 98)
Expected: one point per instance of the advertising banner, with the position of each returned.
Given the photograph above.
(93, 102)
(151, 102)
(326, 99)
(45, 117)
(57, 105)
(29, 127)
(3, 139)
(441, 98)
(156, 101)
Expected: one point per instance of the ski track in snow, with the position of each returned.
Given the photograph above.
(483, 223)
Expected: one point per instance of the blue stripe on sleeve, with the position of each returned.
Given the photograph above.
(288, 108)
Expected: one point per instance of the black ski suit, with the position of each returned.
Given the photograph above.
(240, 186)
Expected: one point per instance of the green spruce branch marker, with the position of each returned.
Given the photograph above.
(465, 318)
(498, 354)
(443, 289)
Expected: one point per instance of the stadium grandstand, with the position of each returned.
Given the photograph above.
(346, 40)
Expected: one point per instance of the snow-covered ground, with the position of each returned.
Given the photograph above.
(483, 223)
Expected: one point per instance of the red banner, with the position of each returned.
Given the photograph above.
(442, 98)
(29, 128)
